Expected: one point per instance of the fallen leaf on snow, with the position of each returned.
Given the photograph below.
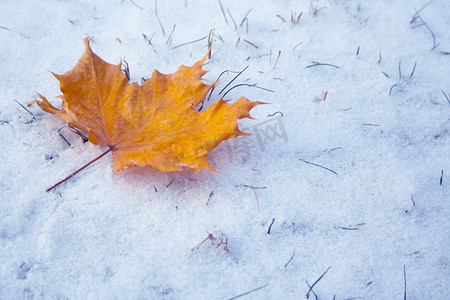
(153, 124)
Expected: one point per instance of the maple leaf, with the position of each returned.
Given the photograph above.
(154, 124)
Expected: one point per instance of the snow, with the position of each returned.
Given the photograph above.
(379, 211)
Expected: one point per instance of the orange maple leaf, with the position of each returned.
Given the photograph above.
(153, 124)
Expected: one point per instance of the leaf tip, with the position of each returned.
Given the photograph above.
(57, 76)
(32, 102)
(242, 133)
(202, 61)
(86, 42)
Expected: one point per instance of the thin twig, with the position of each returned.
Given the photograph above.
(295, 19)
(307, 297)
(314, 10)
(277, 112)
(157, 17)
(215, 53)
(414, 69)
(223, 12)
(126, 69)
(245, 17)
(390, 90)
(210, 40)
(404, 278)
(226, 71)
(417, 16)
(232, 19)
(278, 57)
(171, 33)
(254, 188)
(311, 287)
(135, 4)
(297, 45)
(270, 226)
(319, 166)
(257, 201)
(238, 40)
(289, 260)
(30, 111)
(414, 18)
(248, 42)
(80, 169)
(83, 137)
(249, 292)
(63, 136)
(249, 85)
(222, 240)
(149, 40)
(209, 197)
(349, 228)
(315, 64)
(65, 139)
(357, 227)
(170, 183)
(282, 19)
(201, 39)
(233, 79)
(219, 37)
(446, 97)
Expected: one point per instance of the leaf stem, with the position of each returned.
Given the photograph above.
(80, 169)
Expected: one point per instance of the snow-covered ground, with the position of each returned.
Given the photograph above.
(353, 154)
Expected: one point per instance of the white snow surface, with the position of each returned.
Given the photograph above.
(355, 182)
